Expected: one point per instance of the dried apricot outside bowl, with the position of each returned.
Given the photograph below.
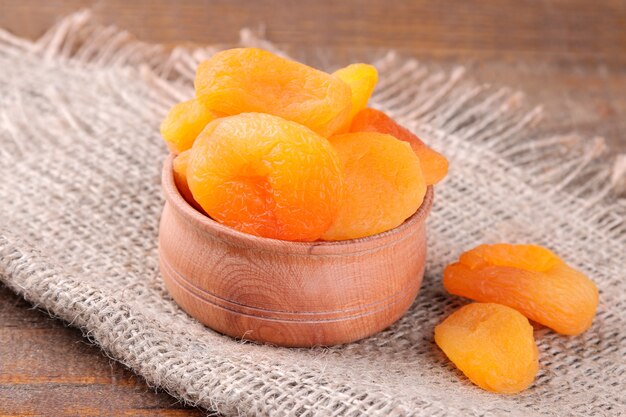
(297, 294)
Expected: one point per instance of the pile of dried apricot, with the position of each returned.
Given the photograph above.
(278, 149)
(493, 343)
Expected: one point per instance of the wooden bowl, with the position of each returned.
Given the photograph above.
(285, 293)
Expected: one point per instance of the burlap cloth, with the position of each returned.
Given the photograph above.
(80, 200)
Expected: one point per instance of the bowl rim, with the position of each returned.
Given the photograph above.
(215, 230)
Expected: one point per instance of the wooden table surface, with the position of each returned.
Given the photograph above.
(569, 55)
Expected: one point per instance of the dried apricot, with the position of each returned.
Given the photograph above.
(183, 124)
(492, 344)
(253, 80)
(179, 167)
(362, 79)
(528, 278)
(267, 176)
(434, 165)
(383, 184)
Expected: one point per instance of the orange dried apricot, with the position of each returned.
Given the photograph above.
(383, 184)
(253, 80)
(179, 167)
(183, 124)
(528, 278)
(267, 176)
(362, 79)
(492, 344)
(434, 165)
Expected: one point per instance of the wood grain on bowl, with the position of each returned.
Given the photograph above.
(288, 293)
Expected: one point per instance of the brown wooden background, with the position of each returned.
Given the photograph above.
(569, 55)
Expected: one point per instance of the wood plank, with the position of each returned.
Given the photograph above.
(86, 400)
(554, 29)
(47, 368)
(29, 357)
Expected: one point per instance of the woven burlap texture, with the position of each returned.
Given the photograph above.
(80, 157)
